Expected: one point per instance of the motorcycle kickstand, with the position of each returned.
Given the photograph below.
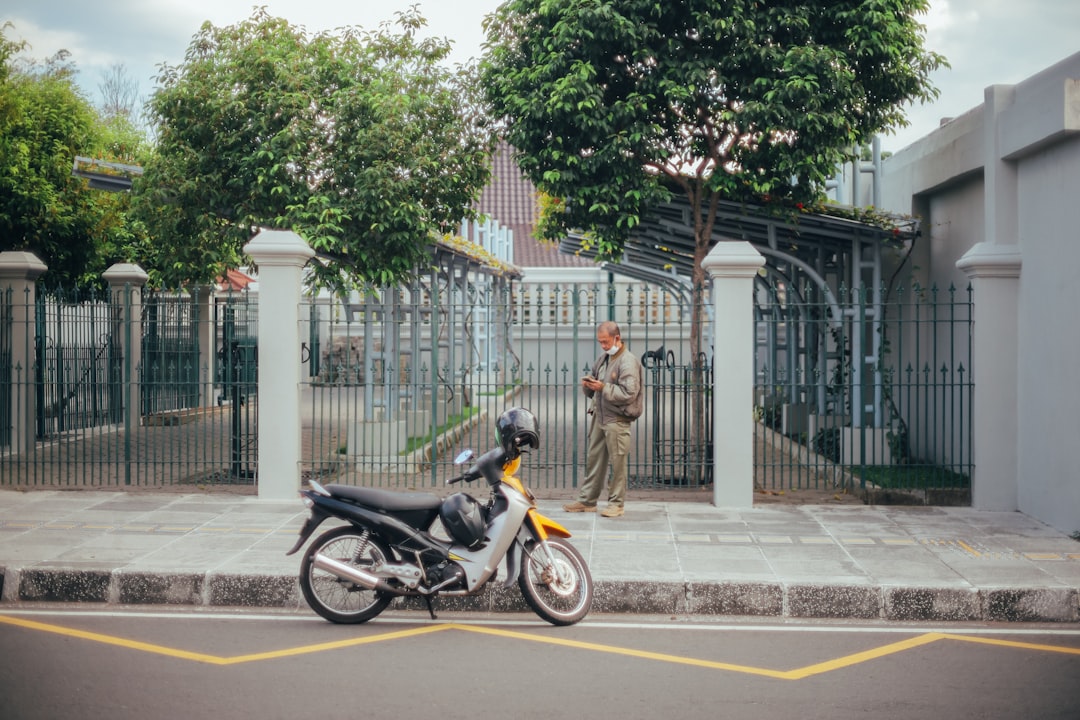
(430, 607)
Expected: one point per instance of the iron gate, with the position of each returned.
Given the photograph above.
(407, 378)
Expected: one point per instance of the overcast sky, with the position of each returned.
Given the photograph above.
(987, 42)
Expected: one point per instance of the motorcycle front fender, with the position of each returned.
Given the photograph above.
(545, 526)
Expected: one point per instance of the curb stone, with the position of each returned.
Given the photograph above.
(751, 599)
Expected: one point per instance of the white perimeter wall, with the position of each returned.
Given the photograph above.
(1049, 335)
(1007, 175)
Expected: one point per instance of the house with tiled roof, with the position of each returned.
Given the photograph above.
(549, 269)
(512, 201)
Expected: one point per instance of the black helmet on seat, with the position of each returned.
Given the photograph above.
(516, 429)
(463, 518)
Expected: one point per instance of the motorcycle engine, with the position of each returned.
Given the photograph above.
(446, 575)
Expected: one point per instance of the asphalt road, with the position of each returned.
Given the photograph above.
(70, 663)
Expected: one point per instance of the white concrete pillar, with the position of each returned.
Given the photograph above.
(280, 256)
(994, 271)
(732, 266)
(19, 271)
(125, 289)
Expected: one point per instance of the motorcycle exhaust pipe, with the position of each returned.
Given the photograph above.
(354, 575)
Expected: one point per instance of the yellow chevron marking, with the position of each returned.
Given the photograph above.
(793, 674)
(215, 659)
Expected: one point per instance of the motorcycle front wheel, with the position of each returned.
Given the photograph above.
(560, 592)
(337, 600)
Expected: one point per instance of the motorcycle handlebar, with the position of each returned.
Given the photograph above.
(460, 478)
(488, 465)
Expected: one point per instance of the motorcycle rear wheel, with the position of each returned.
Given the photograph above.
(561, 598)
(337, 600)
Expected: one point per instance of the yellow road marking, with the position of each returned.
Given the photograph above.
(970, 549)
(628, 652)
(794, 674)
(1013, 644)
(305, 649)
(215, 659)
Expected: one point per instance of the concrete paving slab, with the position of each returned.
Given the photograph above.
(849, 561)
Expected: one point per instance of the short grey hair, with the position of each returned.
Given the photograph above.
(609, 327)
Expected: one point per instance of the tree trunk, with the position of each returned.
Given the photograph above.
(698, 440)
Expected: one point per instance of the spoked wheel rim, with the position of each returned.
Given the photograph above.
(339, 600)
(559, 592)
(560, 578)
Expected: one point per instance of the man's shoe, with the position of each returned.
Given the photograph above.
(612, 511)
(579, 507)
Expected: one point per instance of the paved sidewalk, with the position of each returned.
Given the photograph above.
(679, 558)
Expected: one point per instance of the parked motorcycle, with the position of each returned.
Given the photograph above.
(390, 547)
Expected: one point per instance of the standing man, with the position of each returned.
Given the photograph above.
(615, 388)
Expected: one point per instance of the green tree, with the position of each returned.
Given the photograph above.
(613, 105)
(45, 122)
(362, 142)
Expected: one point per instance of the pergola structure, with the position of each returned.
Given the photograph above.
(403, 321)
(102, 175)
(818, 254)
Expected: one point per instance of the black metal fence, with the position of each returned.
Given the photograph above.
(126, 388)
(864, 388)
(869, 389)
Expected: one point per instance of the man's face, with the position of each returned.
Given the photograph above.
(606, 341)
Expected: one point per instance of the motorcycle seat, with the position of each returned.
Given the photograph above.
(390, 500)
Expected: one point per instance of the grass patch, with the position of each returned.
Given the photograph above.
(452, 421)
(417, 442)
(499, 391)
(914, 477)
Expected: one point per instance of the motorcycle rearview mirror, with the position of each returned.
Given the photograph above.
(463, 457)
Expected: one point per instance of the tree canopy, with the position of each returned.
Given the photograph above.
(362, 142)
(613, 106)
(45, 122)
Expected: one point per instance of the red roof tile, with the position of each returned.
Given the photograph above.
(512, 200)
